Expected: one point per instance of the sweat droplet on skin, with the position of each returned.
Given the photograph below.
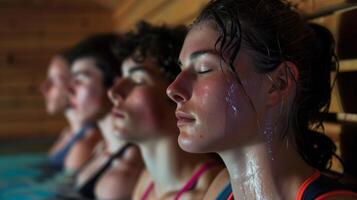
(231, 98)
(268, 134)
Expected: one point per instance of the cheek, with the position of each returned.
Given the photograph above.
(219, 105)
(88, 97)
(146, 108)
(56, 95)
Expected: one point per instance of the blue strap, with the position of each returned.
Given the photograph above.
(224, 194)
(57, 160)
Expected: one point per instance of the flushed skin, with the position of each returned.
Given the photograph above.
(144, 115)
(250, 86)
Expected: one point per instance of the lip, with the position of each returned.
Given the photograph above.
(118, 113)
(183, 118)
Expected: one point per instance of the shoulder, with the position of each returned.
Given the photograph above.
(208, 176)
(327, 188)
(339, 197)
(218, 185)
(118, 182)
(142, 184)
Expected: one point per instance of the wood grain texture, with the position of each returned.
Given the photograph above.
(31, 32)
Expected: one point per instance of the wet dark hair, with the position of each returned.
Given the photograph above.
(160, 42)
(273, 33)
(102, 48)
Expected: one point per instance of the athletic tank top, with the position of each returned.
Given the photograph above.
(57, 160)
(87, 189)
(188, 186)
(320, 187)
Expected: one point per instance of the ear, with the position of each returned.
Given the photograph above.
(282, 82)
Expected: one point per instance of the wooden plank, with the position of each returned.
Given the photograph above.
(125, 7)
(309, 7)
(78, 23)
(348, 65)
(30, 129)
(21, 116)
(171, 14)
(12, 90)
(168, 12)
(18, 103)
(53, 6)
(11, 79)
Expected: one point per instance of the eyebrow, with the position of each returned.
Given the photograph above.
(81, 73)
(195, 55)
(136, 68)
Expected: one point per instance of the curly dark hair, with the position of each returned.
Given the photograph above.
(274, 33)
(160, 42)
(102, 48)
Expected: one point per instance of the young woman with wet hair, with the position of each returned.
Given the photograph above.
(144, 115)
(56, 89)
(113, 169)
(254, 78)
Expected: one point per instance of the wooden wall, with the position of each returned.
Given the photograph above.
(31, 31)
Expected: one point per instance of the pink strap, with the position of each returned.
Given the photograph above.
(193, 180)
(147, 191)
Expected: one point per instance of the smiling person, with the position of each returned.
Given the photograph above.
(144, 115)
(254, 78)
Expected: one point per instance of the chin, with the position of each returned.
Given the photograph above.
(191, 144)
(51, 110)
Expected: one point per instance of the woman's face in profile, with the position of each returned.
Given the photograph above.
(88, 92)
(141, 108)
(56, 86)
(213, 112)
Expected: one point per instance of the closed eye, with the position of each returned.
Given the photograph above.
(204, 71)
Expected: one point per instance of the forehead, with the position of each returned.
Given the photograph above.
(84, 64)
(58, 65)
(147, 65)
(201, 37)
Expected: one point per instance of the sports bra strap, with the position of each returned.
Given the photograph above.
(320, 187)
(188, 186)
(194, 179)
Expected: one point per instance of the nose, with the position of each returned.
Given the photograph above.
(115, 93)
(180, 89)
(71, 87)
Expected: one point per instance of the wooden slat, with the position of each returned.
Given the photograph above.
(125, 7)
(53, 6)
(158, 12)
(20, 116)
(31, 32)
(12, 90)
(348, 65)
(80, 23)
(311, 6)
(171, 14)
(30, 129)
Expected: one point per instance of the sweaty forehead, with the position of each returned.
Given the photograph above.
(201, 37)
(84, 64)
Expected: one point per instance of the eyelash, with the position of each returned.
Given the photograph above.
(204, 71)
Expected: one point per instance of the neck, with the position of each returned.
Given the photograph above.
(169, 167)
(72, 120)
(265, 171)
(112, 143)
